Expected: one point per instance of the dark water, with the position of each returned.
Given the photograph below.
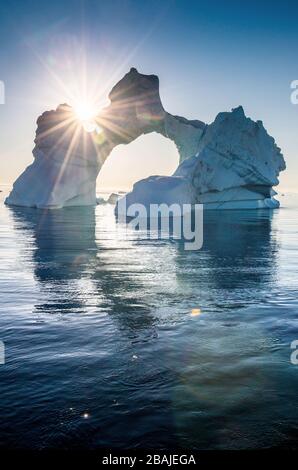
(102, 348)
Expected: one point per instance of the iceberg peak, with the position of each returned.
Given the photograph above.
(239, 111)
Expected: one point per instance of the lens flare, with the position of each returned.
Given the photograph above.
(85, 113)
(195, 312)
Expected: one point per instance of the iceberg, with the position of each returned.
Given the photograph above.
(236, 166)
(231, 163)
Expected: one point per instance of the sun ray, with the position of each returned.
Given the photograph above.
(55, 128)
(70, 130)
(114, 128)
(67, 156)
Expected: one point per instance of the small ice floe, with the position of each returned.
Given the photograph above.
(113, 198)
(100, 200)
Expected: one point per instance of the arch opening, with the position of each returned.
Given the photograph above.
(149, 154)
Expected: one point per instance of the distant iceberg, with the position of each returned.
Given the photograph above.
(231, 163)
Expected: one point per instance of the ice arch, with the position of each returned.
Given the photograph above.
(67, 159)
(234, 161)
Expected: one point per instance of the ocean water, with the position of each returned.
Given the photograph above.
(102, 348)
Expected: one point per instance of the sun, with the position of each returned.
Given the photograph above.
(85, 113)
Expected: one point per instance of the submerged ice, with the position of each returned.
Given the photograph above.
(231, 163)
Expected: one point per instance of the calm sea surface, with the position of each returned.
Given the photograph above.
(102, 348)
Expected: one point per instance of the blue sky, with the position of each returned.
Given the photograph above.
(210, 56)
